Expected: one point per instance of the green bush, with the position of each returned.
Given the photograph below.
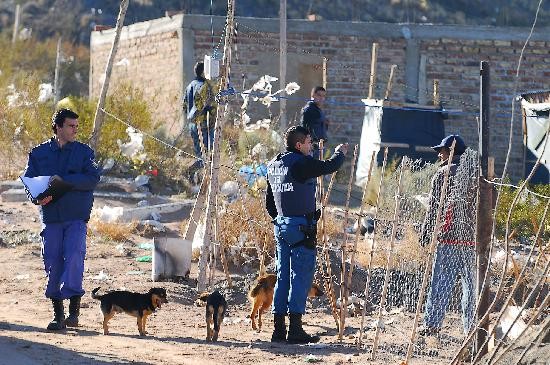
(527, 213)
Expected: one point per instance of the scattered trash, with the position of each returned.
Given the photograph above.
(146, 258)
(120, 248)
(154, 226)
(507, 320)
(317, 345)
(141, 180)
(155, 216)
(135, 272)
(250, 173)
(312, 358)
(132, 148)
(146, 246)
(259, 151)
(143, 203)
(45, 92)
(108, 164)
(101, 276)
(109, 214)
(230, 189)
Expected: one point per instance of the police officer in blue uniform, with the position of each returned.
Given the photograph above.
(64, 218)
(290, 201)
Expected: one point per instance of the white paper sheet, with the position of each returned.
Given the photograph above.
(36, 185)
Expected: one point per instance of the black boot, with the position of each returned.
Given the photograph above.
(74, 312)
(296, 333)
(279, 333)
(58, 322)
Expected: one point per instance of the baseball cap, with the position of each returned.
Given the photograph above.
(460, 146)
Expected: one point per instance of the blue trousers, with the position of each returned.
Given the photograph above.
(295, 267)
(63, 251)
(451, 260)
(206, 133)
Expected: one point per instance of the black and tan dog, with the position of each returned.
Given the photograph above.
(135, 304)
(216, 307)
(261, 296)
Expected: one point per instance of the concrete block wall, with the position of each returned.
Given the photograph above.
(153, 66)
(451, 54)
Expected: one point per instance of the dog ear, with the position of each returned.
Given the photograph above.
(203, 296)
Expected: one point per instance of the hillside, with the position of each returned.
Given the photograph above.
(75, 18)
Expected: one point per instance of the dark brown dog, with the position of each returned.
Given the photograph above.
(216, 307)
(135, 304)
(261, 296)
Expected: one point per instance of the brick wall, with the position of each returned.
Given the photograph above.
(452, 54)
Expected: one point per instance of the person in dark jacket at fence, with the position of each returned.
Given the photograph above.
(314, 119)
(199, 103)
(455, 251)
(64, 218)
(290, 201)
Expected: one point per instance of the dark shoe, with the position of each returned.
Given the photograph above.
(58, 322)
(74, 312)
(296, 333)
(279, 333)
(428, 331)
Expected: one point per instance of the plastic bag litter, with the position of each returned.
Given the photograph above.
(230, 189)
(109, 214)
(132, 148)
(108, 164)
(100, 276)
(312, 358)
(141, 180)
(250, 173)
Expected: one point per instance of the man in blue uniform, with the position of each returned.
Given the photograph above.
(64, 218)
(314, 119)
(290, 201)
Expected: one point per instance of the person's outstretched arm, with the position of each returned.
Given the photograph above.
(311, 167)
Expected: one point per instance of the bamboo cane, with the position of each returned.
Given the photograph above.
(343, 281)
(531, 296)
(542, 332)
(369, 269)
(358, 232)
(517, 282)
(500, 288)
(327, 279)
(541, 309)
(389, 259)
(433, 246)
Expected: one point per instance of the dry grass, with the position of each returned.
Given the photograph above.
(407, 254)
(245, 230)
(113, 231)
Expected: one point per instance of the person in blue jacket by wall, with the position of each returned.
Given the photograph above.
(290, 201)
(64, 219)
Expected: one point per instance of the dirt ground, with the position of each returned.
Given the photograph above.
(176, 332)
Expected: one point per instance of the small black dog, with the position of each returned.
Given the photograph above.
(216, 307)
(134, 304)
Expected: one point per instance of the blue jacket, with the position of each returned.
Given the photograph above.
(290, 176)
(75, 164)
(314, 120)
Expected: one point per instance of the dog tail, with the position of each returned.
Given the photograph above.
(264, 282)
(94, 295)
(256, 289)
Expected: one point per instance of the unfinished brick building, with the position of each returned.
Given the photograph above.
(157, 56)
